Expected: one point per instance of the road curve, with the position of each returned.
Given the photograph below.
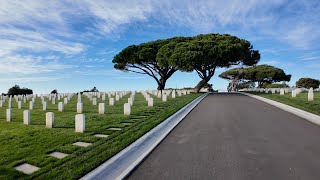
(232, 136)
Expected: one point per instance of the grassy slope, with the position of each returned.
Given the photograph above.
(21, 143)
(301, 101)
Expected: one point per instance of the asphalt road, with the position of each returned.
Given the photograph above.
(232, 136)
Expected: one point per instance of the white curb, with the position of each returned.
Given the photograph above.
(120, 165)
(301, 113)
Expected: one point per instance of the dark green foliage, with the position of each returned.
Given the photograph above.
(246, 85)
(16, 90)
(263, 74)
(151, 58)
(266, 74)
(235, 77)
(203, 53)
(94, 89)
(308, 83)
(206, 52)
(54, 91)
(283, 85)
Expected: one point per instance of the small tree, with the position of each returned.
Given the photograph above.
(94, 89)
(16, 90)
(266, 74)
(234, 76)
(308, 83)
(54, 91)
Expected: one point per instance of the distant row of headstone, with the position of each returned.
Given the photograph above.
(65, 98)
(294, 91)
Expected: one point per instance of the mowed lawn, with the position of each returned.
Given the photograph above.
(32, 143)
(301, 101)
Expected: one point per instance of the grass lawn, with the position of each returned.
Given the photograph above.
(301, 101)
(32, 143)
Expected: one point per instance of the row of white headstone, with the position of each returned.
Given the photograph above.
(282, 91)
(79, 119)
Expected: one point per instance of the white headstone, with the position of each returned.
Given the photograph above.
(164, 98)
(310, 94)
(101, 108)
(60, 106)
(126, 109)
(281, 91)
(44, 105)
(117, 97)
(293, 93)
(94, 101)
(150, 102)
(111, 101)
(173, 94)
(26, 117)
(53, 100)
(49, 120)
(80, 123)
(130, 100)
(66, 100)
(79, 98)
(1, 103)
(31, 105)
(79, 107)
(9, 104)
(9, 115)
(19, 104)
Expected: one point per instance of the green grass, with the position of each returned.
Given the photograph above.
(32, 143)
(301, 101)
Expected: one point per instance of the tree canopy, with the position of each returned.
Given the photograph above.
(94, 89)
(16, 90)
(235, 77)
(308, 83)
(266, 74)
(275, 85)
(54, 91)
(205, 53)
(151, 58)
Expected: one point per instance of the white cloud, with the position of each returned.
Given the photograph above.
(63, 29)
(311, 58)
(30, 65)
(28, 79)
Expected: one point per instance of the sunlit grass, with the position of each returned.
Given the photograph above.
(301, 101)
(32, 143)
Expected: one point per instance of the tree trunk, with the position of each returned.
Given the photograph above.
(200, 85)
(234, 85)
(162, 84)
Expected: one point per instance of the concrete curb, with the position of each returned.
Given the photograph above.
(120, 165)
(301, 113)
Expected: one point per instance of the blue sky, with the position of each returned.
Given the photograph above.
(69, 45)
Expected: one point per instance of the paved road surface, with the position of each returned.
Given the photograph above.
(232, 136)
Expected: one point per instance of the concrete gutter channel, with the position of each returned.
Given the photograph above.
(120, 165)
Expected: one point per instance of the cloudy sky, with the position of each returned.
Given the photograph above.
(69, 45)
